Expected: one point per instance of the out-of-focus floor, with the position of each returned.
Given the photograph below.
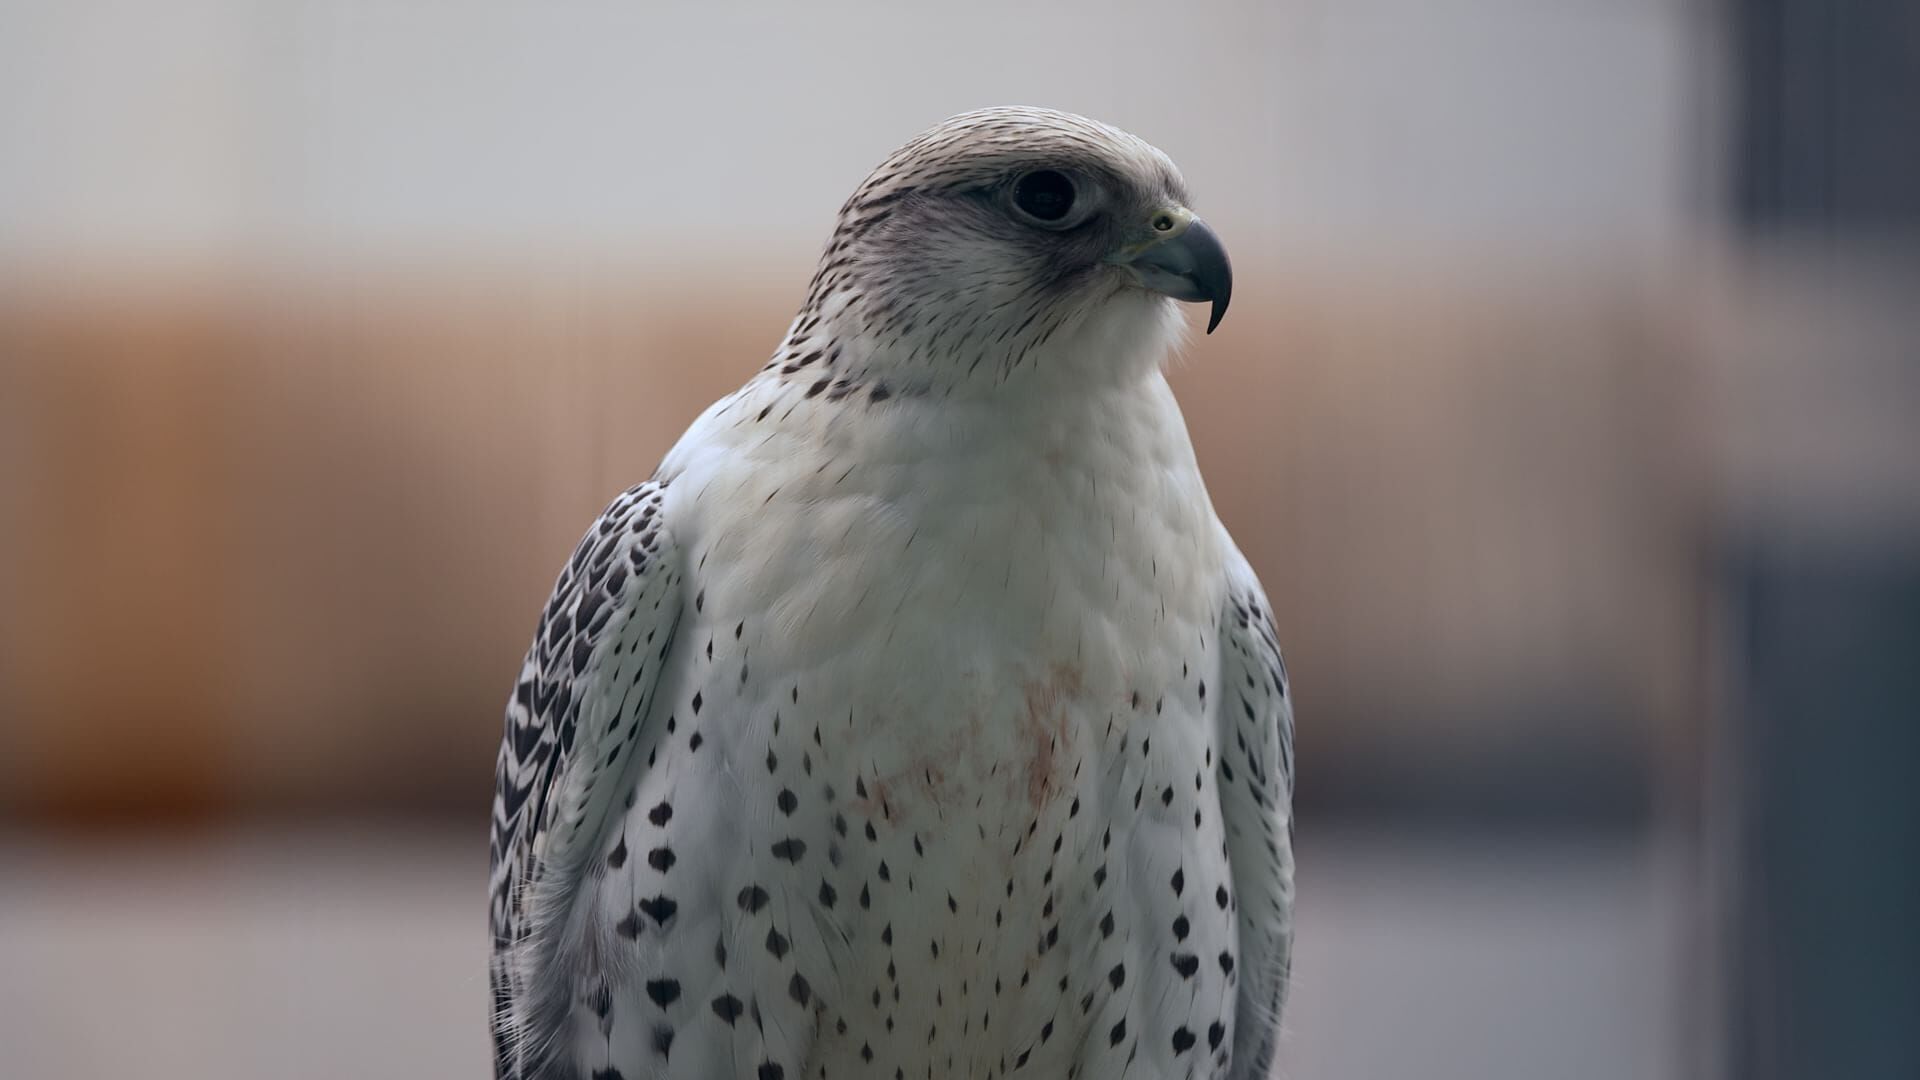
(361, 953)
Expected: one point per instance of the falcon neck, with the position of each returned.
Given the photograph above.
(1021, 439)
(836, 350)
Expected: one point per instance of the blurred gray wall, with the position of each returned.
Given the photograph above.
(208, 131)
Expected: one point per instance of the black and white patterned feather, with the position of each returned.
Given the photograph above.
(573, 730)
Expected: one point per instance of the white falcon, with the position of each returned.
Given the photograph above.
(918, 718)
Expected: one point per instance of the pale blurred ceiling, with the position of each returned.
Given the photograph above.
(221, 131)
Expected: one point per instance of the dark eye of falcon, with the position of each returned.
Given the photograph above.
(1045, 196)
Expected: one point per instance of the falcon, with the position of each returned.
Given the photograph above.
(918, 718)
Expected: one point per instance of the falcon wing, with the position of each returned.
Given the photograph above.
(1256, 784)
(584, 695)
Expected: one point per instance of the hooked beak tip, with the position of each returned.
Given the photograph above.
(1219, 312)
(1192, 266)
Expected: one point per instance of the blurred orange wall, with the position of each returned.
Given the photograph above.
(277, 544)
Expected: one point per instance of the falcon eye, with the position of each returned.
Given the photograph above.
(1045, 196)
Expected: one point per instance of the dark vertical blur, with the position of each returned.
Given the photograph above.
(1826, 979)
(1827, 119)
(1824, 950)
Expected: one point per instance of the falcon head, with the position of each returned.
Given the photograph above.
(1003, 236)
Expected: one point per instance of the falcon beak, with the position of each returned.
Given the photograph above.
(1181, 257)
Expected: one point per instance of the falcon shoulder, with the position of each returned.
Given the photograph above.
(573, 725)
(1255, 772)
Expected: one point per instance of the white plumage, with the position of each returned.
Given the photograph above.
(918, 718)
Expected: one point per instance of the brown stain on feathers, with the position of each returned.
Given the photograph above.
(1047, 728)
(921, 781)
(1044, 728)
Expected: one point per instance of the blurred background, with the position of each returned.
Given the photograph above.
(1570, 410)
